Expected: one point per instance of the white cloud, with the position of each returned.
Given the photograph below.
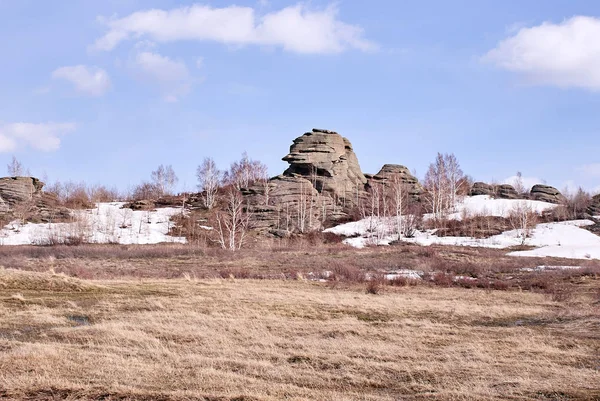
(91, 81)
(565, 55)
(172, 76)
(528, 182)
(7, 144)
(44, 137)
(295, 28)
(199, 62)
(591, 170)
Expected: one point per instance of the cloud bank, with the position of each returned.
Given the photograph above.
(296, 28)
(565, 55)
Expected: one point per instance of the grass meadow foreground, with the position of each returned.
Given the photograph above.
(190, 338)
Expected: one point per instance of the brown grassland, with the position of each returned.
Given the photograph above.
(177, 323)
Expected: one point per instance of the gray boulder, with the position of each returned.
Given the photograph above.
(393, 174)
(546, 193)
(481, 188)
(506, 191)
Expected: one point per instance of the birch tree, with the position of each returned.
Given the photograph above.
(232, 222)
(245, 172)
(15, 168)
(209, 180)
(164, 178)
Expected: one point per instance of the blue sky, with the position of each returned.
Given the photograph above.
(105, 91)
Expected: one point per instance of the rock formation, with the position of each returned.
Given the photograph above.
(327, 160)
(546, 193)
(506, 191)
(23, 196)
(594, 208)
(15, 190)
(391, 174)
(323, 183)
(289, 203)
(481, 188)
(502, 191)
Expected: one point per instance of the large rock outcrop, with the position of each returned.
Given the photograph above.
(546, 193)
(288, 204)
(323, 184)
(23, 197)
(328, 161)
(394, 174)
(14, 190)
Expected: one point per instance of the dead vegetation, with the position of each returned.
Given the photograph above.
(230, 339)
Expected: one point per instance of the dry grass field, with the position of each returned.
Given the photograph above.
(187, 338)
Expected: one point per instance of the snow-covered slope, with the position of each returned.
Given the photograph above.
(484, 205)
(564, 239)
(107, 223)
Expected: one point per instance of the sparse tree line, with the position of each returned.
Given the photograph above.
(389, 205)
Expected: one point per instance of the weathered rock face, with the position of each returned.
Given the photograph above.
(481, 188)
(327, 160)
(546, 193)
(290, 204)
(594, 208)
(23, 196)
(14, 190)
(394, 174)
(506, 191)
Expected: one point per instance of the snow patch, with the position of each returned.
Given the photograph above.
(544, 268)
(107, 223)
(563, 239)
(484, 205)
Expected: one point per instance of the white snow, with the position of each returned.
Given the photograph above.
(406, 273)
(107, 223)
(484, 205)
(564, 239)
(543, 268)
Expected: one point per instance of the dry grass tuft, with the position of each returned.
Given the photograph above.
(32, 281)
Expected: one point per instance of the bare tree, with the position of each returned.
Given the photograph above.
(164, 178)
(15, 168)
(399, 194)
(518, 184)
(245, 172)
(444, 182)
(438, 187)
(523, 219)
(232, 222)
(576, 203)
(146, 190)
(209, 180)
(455, 178)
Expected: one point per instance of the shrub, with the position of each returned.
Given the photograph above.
(443, 279)
(375, 285)
(346, 272)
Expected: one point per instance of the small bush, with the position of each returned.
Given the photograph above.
(346, 272)
(443, 279)
(375, 285)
